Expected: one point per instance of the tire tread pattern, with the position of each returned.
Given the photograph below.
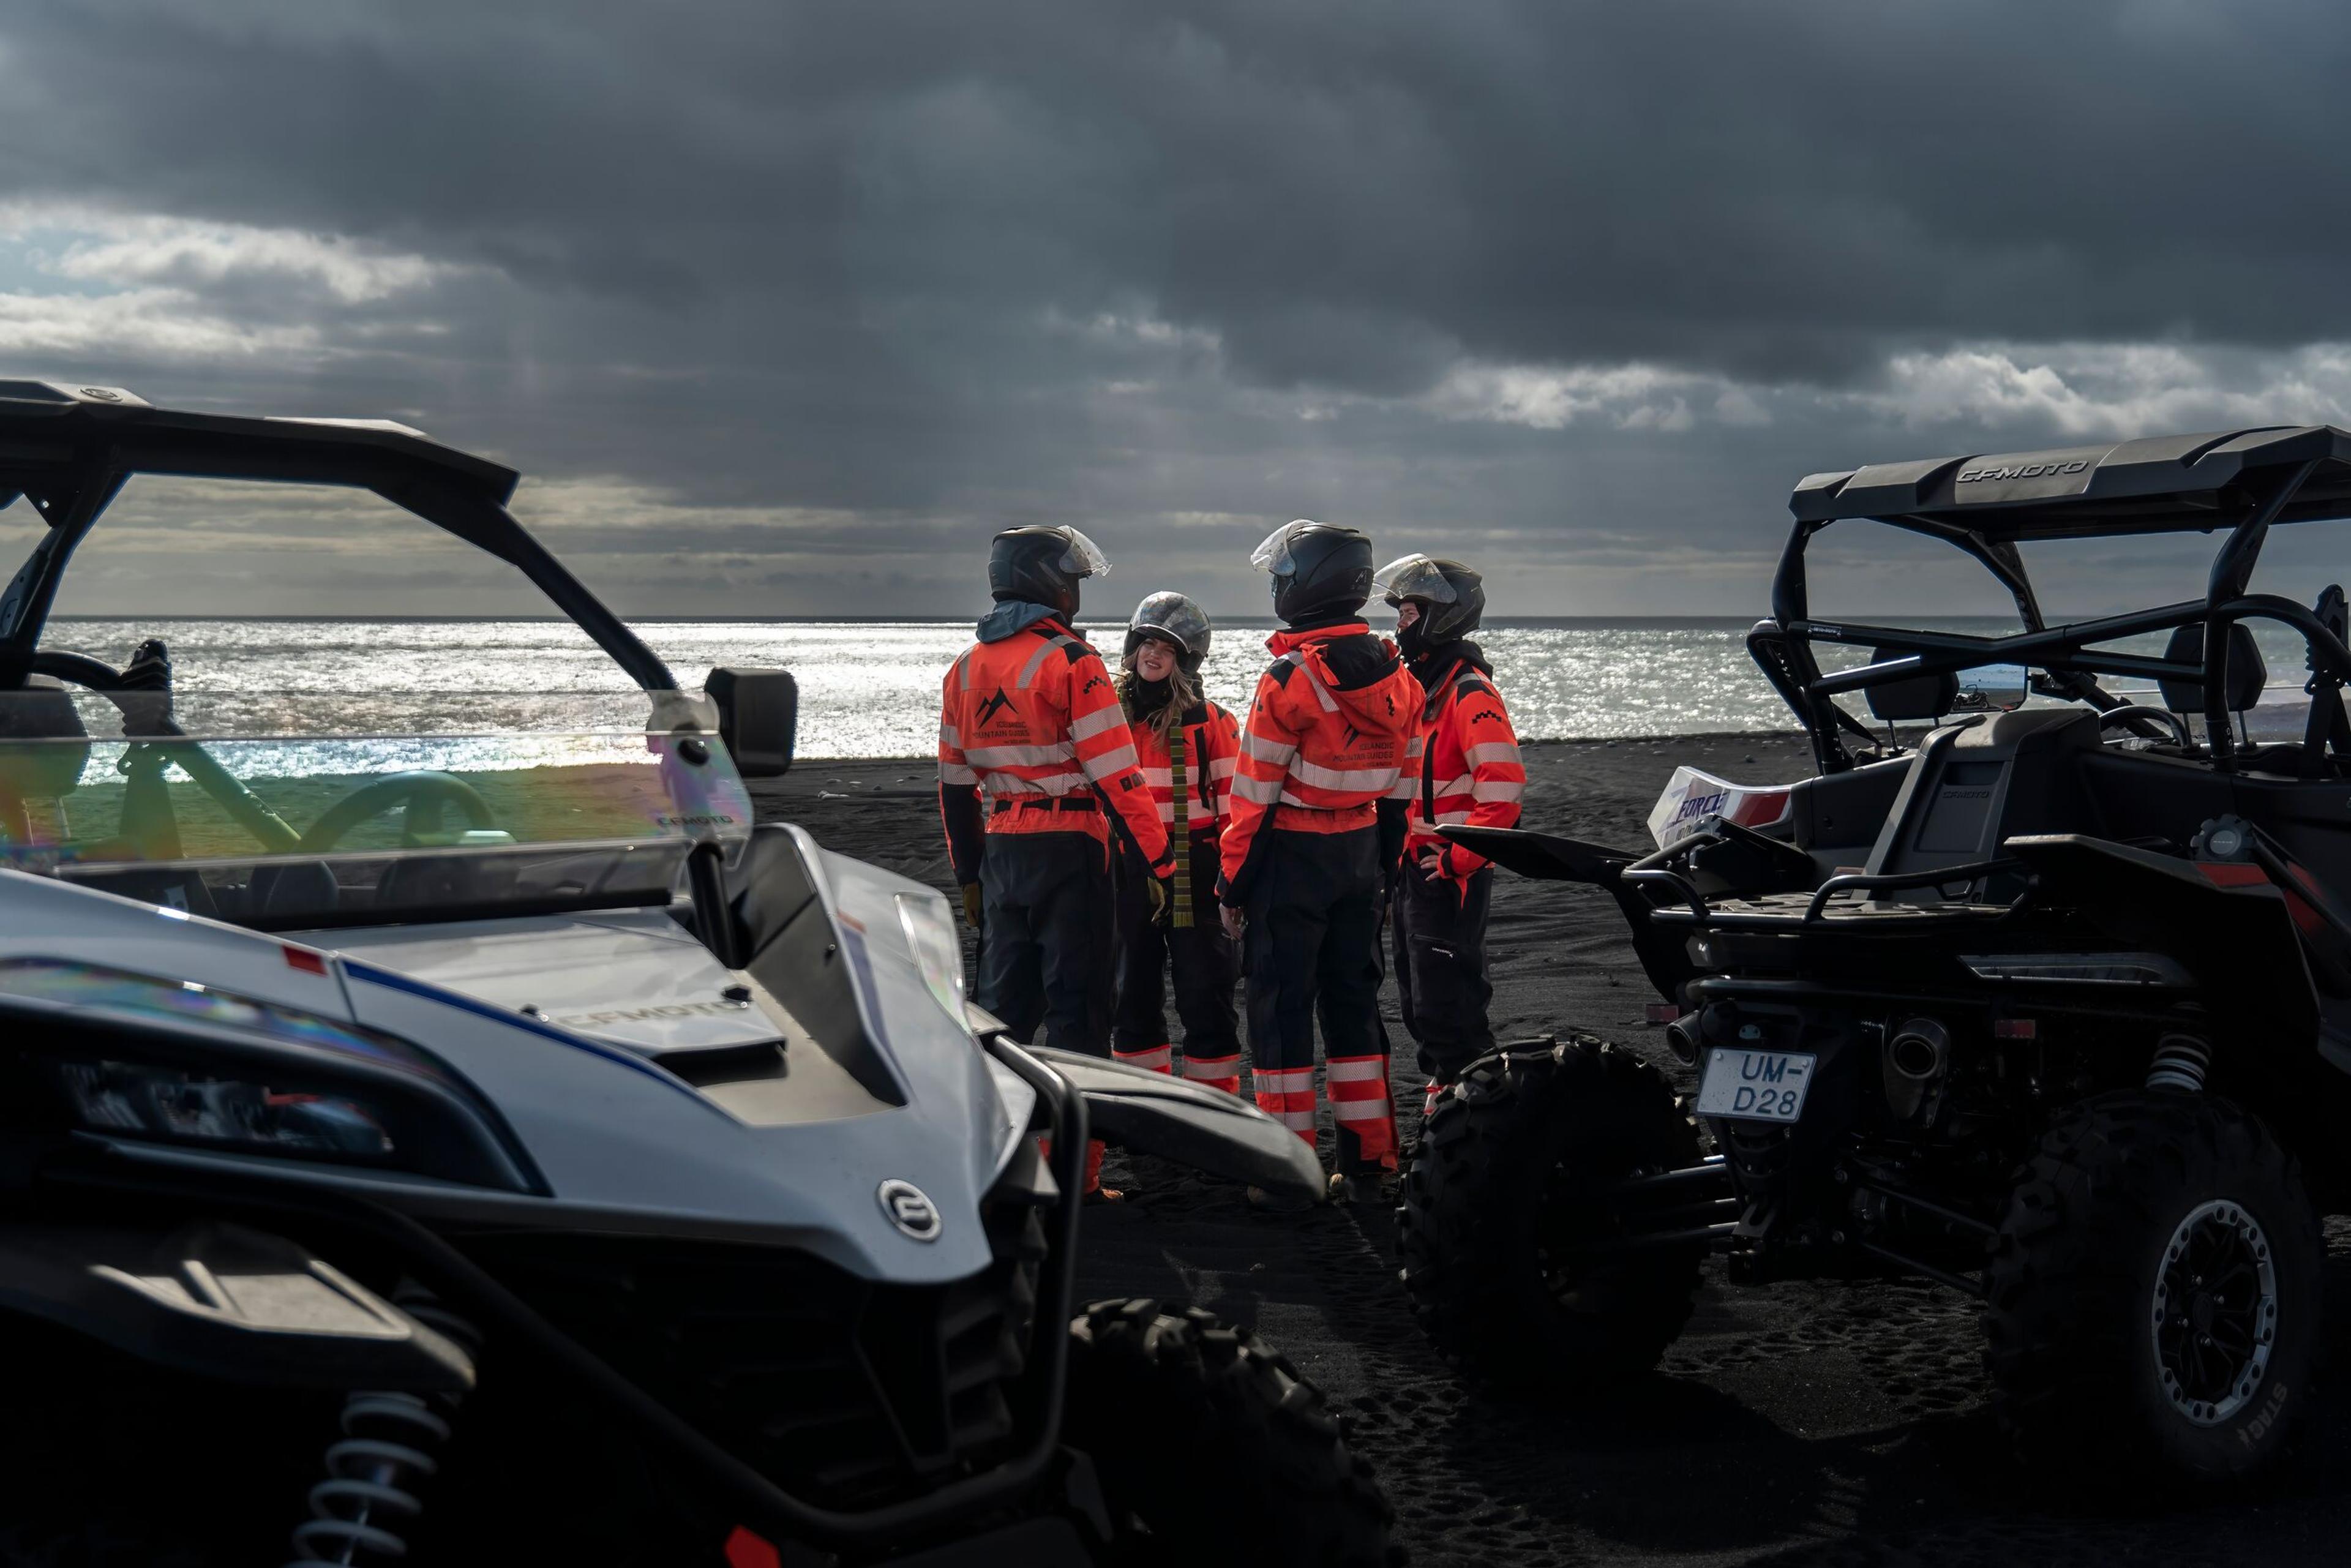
(1214, 1442)
(2069, 1276)
(1467, 1224)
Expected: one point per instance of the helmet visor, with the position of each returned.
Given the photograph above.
(1082, 558)
(1413, 577)
(1174, 617)
(1273, 555)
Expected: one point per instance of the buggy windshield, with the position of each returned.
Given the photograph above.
(287, 832)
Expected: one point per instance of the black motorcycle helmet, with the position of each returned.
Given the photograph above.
(1451, 597)
(1319, 570)
(1043, 566)
(1175, 618)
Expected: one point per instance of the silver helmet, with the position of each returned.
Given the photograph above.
(1176, 618)
(1451, 596)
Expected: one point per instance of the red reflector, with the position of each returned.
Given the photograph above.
(1661, 1012)
(302, 958)
(745, 1550)
(2016, 1029)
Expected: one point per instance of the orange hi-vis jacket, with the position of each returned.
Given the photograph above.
(1211, 751)
(1030, 725)
(1333, 729)
(1470, 771)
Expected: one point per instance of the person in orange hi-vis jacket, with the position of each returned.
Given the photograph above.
(1331, 739)
(1036, 769)
(1470, 773)
(1188, 746)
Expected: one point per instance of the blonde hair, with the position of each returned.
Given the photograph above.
(1183, 694)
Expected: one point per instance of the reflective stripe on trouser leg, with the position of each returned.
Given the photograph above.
(1155, 1059)
(1287, 1095)
(1313, 957)
(1358, 1090)
(1095, 1149)
(1214, 1071)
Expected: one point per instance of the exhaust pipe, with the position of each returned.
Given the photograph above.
(1681, 1039)
(1918, 1051)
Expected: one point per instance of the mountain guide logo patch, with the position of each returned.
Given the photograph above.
(997, 704)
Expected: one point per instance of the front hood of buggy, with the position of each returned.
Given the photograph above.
(622, 1145)
(626, 1141)
(633, 978)
(627, 1146)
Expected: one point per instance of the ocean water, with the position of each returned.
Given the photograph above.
(867, 688)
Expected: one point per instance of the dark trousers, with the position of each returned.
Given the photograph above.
(1045, 937)
(1440, 962)
(1205, 962)
(1312, 950)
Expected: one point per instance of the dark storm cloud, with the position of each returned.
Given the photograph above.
(911, 271)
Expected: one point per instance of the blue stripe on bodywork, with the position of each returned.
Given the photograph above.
(393, 981)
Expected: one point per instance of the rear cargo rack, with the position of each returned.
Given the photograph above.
(1696, 912)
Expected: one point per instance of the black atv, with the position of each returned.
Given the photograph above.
(2051, 1004)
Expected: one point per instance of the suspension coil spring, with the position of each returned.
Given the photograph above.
(2180, 1062)
(391, 1444)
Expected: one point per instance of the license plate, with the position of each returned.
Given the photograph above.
(1755, 1085)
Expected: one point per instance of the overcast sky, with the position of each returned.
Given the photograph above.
(786, 308)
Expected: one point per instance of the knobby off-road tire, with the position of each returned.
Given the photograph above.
(1212, 1450)
(2147, 1222)
(1514, 1164)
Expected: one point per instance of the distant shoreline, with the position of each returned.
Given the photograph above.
(1113, 617)
(1702, 740)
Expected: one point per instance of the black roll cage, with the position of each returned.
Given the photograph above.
(69, 450)
(2254, 497)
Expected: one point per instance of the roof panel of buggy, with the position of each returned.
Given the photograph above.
(2163, 484)
(51, 426)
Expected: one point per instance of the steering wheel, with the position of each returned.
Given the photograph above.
(2129, 711)
(422, 794)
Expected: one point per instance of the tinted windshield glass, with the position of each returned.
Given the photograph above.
(284, 830)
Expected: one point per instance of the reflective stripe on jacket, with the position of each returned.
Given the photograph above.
(1211, 751)
(1029, 721)
(1470, 771)
(1333, 729)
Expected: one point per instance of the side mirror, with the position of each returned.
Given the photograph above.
(758, 713)
(1994, 687)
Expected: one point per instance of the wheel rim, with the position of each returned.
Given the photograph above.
(2214, 1312)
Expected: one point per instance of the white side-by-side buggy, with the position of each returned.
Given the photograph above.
(484, 1146)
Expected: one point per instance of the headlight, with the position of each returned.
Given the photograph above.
(931, 936)
(135, 1056)
(125, 1097)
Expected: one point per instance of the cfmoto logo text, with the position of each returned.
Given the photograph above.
(2026, 471)
(909, 1209)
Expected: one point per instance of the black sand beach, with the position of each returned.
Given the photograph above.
(1841, 1424)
